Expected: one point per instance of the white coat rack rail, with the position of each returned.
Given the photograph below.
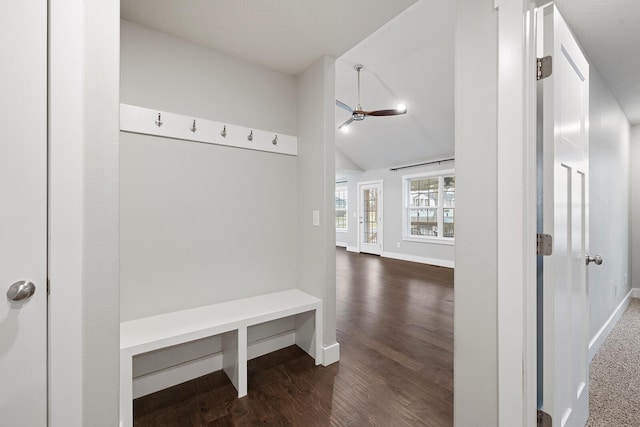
(146, 121)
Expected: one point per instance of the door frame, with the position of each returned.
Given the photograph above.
(517, 117)
(84, 321)
(361, 184)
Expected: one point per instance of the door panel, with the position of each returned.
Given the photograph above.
(23, 213)
(566, 216)
(370, 213)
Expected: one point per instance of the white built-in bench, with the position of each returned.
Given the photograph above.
(229, 319)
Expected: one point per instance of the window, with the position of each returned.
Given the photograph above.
(429, 209)
(341, 208)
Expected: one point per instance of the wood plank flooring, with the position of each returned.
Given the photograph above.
(395, 329)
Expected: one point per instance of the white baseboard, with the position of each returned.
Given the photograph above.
(159, 380)
(353, 249)
(330, 354)
(635, 292)
(605, 330)
(341, 244)
(419, 259)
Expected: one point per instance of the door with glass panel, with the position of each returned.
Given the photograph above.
(370, 214)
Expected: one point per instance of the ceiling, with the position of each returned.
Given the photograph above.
(409, 59)
(284, 35)
(609, 31)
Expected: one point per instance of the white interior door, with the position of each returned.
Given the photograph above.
(566, 217)
(23, 213)
(370, 217)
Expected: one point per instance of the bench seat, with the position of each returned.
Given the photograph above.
(229, 319)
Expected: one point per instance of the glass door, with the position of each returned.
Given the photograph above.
(370, 230)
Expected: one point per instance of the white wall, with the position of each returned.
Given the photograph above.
(441, 254)
(201, 223)
(83, 213)
(316, 184)
(635, 206)
(475, 317)
(609, 194)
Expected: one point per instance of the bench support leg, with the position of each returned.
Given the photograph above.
(309, 333)
(126, 390)
(234, 358)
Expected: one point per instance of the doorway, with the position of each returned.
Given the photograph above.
(370, 227)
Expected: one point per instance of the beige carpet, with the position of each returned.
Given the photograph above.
(614, 399)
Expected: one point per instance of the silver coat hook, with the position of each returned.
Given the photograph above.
(250, 137)
(224, 131)
(275, 140)
(159, 121)
(193, 127)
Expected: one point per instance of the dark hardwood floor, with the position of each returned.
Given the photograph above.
(395, 329)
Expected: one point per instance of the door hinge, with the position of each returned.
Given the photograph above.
(544, 419)
(544, 67)
(544, 244)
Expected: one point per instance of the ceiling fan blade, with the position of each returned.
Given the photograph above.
(393, 112)
(344, 106)
(347, 123)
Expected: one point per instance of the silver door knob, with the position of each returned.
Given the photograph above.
(597, 259)
(21, 291)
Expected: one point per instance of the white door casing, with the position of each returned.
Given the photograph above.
(370, 226)
(23, 212)
(566, 218)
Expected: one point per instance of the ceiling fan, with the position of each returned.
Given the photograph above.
(358, 114)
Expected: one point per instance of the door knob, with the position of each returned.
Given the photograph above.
(21, 291)
(597, 259)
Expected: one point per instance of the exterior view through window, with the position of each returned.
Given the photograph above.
(341, 208)
(430, 206)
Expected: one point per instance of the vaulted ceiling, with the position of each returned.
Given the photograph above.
(284, 35)
(409, 59)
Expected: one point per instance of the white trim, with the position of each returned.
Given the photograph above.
(450, 171)
(353, 249)
(607, 327)
(143, 120)
(635, 292)
(379, 183)
(330, 354)
(341, 244)
(422, 260)
(441, 174)
(165, 378)
(433, 240)
(516, 219)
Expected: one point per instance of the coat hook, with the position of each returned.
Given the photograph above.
(224, 131)
(193, 127)
(275, 140)
(250, 137)
(159, 121)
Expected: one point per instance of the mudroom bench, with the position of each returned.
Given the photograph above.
(230, 320)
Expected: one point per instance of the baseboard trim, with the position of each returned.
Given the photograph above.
(635, 292)
(419, 259)
(353, 249)
(178, 374)
(341, 244)
(330, 354)
(605, 330)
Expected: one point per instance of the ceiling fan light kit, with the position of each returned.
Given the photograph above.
(358, 113)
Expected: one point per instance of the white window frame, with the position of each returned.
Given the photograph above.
(346, 208)
(406, 233)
